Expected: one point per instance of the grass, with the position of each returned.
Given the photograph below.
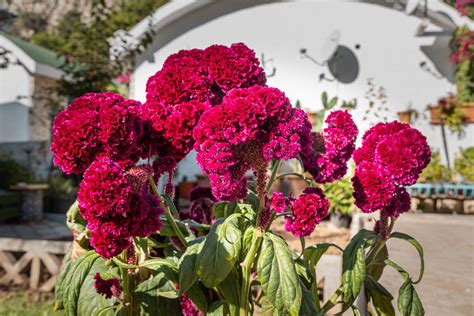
(18, 303)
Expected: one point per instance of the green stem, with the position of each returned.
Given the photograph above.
(127, 280)
(332, 300)
(246, 271)
(168, 216)
(275, 169)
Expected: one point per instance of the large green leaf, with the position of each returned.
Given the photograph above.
(161, 284)
(353, 264)
(417, 246)
(308, 305)
(409, 303)
(90, 302)
(220, 251)
(74, 280)
(217, 309)
(277, 274)
(380, 296)
(196, 295)
(187, 266)
(230, 290)
(377, 264)
(313, 253)
(59, 286)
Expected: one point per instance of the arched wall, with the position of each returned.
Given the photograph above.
(389, 53)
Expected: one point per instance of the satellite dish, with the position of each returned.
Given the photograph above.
(330, 46)
(411, 6)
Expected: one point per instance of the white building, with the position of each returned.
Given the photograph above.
(399, 45)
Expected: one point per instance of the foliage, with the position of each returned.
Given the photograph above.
(464, 164)
(60, 185)
(12, 172)
(16, 303)
(84, 43)
(339, 194)
(436, 171)
(451, 114)
(462, 46)
(465, 7)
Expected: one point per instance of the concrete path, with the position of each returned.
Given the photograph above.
(447, 287)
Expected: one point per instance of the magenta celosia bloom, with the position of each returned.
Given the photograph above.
(188, 308)
(372, 138)
(332, 149)
(373, 187)
(116, 206)
(404, 154)
(309, 209)
(279, 202)
(200, 209)
(245, 132)
(76, 131)
(399, 204)
(109, 288)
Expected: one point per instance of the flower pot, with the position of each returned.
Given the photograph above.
(312, 117)
(185, 188)
(468, 112)
(404, 117)
(340, 220)
(435, 115)
(297, 185)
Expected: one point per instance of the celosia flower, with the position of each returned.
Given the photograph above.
(279, 202)
(116, 208)
(188, 308)
(332, 149)
(373, 187)
(200, 209)
(399, 204)
(76, 131)
(245, 132)
(309, 209)
(109, 288)
(404, 154)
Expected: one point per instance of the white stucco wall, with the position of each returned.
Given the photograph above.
(15, 82)
(390, 53)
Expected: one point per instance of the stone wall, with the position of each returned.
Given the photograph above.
(40, 112)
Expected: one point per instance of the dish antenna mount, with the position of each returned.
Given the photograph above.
(327, 50)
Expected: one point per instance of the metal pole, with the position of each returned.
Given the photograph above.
(443, 133)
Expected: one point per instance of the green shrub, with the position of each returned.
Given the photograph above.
(339, 194)
(464, 164)
(435, 171)
(12, 172)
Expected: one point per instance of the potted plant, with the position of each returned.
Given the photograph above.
(435, 172)
(448, 111)
(464, 164)
(408, 116)
(339, 194)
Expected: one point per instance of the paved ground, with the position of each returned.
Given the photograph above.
(448, 241)
(53, 227)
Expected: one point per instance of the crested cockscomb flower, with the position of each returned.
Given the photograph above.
(373, 187)
(76, 131)
(332, 148)
(308, 210)
(200, 209)
(279, 202)
(109, 288)
(188, 308)
(399, 204)
(245, 132)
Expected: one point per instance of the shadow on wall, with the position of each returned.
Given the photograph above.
(438, 54)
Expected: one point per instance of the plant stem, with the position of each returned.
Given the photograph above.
(128, 306)
(168, 216)
(246, 271)
(332, 300)
(275, 168)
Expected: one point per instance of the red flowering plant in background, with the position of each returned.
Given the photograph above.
(137, 254)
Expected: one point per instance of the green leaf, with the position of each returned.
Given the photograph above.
(247, 241)
(313, 253)
(187, 266)
(353, 264)
(196, 295)
(376, 265)
(161, 284)
(332, 103)
(167, 229)
(220, 251)
(308, 305)
(59, 286)
(409, 303)
(277, 274)
(158, 305)
(380, 296)
(217, 309)
(218, 210)
(324, 98)
(417, 246)
(74, 221)
(230, 290)
(157, 263)
(356, 311)
(73, 281)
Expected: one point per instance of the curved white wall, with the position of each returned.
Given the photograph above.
(389, 53)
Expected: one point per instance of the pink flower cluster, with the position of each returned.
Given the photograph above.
(96, 124)
(251, 127)
(109, 288)
(116, 207)
(188, 308)
(202, 201)
(190, 82)
(332, 149)
(308, 210)
(392, 156)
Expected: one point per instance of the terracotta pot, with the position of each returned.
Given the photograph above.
(435, 115)
(185, 188)
(312, 117)
(297, 185)
(404, 117)
(468, 112)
